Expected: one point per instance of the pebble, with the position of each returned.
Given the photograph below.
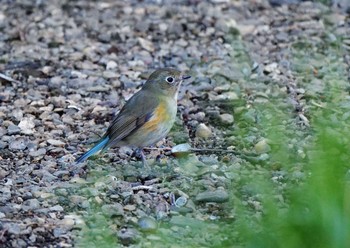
(181, 149)
(13, 129)
(147, 224)
(226, 119)
(107, 75)
(67, 222)
(129, 207)
(203, 131)
(146, 44)
(43, 195)
(55, 142)
(262, 146)
(111, 65)
(37, 153)
(58, 232)
(12, 228)
(111, 210)
(27, 125)
(3, 144)
(128, 236)
(281, 2)
(228, 96)
(31, 204)
(56, 208)
(181, 201)
(218, 196)
(19, 143)
(199, 116)
(2, 131)
(3, 173)
(270, 68)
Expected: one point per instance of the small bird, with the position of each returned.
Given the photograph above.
(146, 117)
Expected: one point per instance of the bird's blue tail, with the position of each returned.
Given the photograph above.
(93, 150)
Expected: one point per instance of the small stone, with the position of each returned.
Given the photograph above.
(31, 204)
(231, 95)
(8, 210)
(56, 208)
(17, 114)
(262, 147)
(199, 116)
(163, 27)
(129, 207)
(73, 219)
(222, 88)
(146, 44)
(110, 74)
(246, 29)
(77, 74)
(218, 196)
(203, 131)
(3, 144)
(12, 228)
(2, 131)
(27, 125)
(55, 142)
(270, 68)
(226, 96)
(3, 173)
(13, 129)
(37, 153)
(226, 119)
(181, 149)
(142, 26)
(58, 232)
(181, 201)
(19, 143)
(100, 88)
(281, 2)
(111, 210)
(67, 222)
(147, 224)
(104, 37)
(111, 65)
(43, 195)
(128, 236)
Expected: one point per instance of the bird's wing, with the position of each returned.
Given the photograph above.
(135, 113)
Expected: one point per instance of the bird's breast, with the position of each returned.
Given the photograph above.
(163, 115)
(157, 127)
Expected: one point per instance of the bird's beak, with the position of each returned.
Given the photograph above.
(181, 79)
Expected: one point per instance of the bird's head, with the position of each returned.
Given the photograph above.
(165, 81)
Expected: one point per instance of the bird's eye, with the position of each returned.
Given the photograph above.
(169, 79)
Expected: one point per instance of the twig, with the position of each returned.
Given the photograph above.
(213, 150)
(193, 150)
(142, 187)
(152, 181)
(7, 78)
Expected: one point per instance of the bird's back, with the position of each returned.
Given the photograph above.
(144, 120)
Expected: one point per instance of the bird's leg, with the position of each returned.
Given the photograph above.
(139, 153)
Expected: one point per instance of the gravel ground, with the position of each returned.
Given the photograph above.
(74, 63)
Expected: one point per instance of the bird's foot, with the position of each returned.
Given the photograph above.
(140, 155)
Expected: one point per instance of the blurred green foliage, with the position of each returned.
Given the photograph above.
(318, 206)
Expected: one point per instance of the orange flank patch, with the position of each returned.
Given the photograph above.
(160, 115)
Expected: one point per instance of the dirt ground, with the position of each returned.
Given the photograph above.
(71, 65)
